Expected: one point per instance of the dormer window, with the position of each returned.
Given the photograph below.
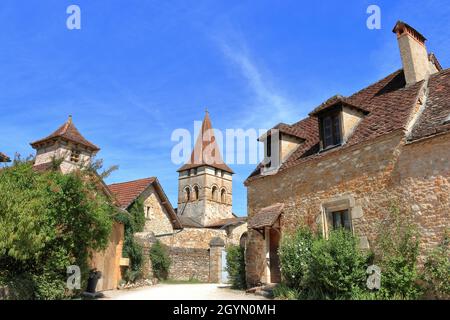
(330, 129)
(75, 156)
(338, 118)
(269, 146)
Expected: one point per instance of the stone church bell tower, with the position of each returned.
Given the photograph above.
(205, 182)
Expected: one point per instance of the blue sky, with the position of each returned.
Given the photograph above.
(139, 69)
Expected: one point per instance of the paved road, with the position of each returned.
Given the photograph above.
(181, 292)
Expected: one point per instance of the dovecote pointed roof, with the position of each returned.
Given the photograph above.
(4, 158)
(206, 151)
(68, 132)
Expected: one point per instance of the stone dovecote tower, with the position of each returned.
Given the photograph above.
(67, 144)
(205, 182)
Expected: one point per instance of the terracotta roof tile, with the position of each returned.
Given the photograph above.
(388, 104)
(4, 158)
(227, 222)
(337, 100)
(266, 217)
(206, 141)
(434, 119)
(69, 132)
(127, 192)
(188, 222)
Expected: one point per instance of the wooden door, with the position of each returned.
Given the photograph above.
(275, 273)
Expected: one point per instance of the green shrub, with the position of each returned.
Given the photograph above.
(396, 253)
(295, 257)
(436, 273)
(49, 221)
(133, 221)
(160, 259)
(337, 267)
(236, 266)
(284, 292)
(49, 286)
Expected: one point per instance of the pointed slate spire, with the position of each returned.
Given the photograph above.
(206, 151)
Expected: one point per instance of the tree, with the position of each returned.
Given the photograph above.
(49, 221)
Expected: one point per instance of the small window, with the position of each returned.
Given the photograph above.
(269, 146)
(196, 193)
(147, 212)
(187, 195)
(223, 196)
(214, 193)
(75, 156)
(330, 124)
(341, 219)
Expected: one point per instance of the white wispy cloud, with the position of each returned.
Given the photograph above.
(267, 105)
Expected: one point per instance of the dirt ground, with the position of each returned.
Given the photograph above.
(181, 292)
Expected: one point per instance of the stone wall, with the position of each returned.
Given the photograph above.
(189, 263)
(191, 251)
(196, 238)
(157, 220)
(368, 179)
(206, 209)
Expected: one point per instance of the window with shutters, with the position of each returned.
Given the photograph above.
(341, 219)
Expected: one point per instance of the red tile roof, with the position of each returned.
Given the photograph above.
(127, 192)
(4, 158)
(437, 110)
(206, 141)
(286, 129)
(266, 217)
(227, 222)
(389, 104)
(336, 100)
(69, 132)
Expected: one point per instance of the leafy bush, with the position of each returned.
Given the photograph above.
(133, 221)
(49, 221)
(337, 267)
(160, 259)
(236, 266)
(285, 292)
(436, 272)
(396, 253)
(295, 257)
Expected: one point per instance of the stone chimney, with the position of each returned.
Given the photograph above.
(417, 64)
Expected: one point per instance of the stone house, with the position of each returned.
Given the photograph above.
(353, 158)
(68, 146)
(198, 231)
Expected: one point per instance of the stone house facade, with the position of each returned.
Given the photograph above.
(356, 157)
(197, 232)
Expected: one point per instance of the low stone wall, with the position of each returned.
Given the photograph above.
(189, 263)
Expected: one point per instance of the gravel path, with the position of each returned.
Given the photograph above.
(181, 292)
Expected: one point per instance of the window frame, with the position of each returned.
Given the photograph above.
(75, 155)
(342, 220)
(336, 128)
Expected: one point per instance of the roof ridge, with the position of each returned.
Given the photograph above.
(142, 179)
